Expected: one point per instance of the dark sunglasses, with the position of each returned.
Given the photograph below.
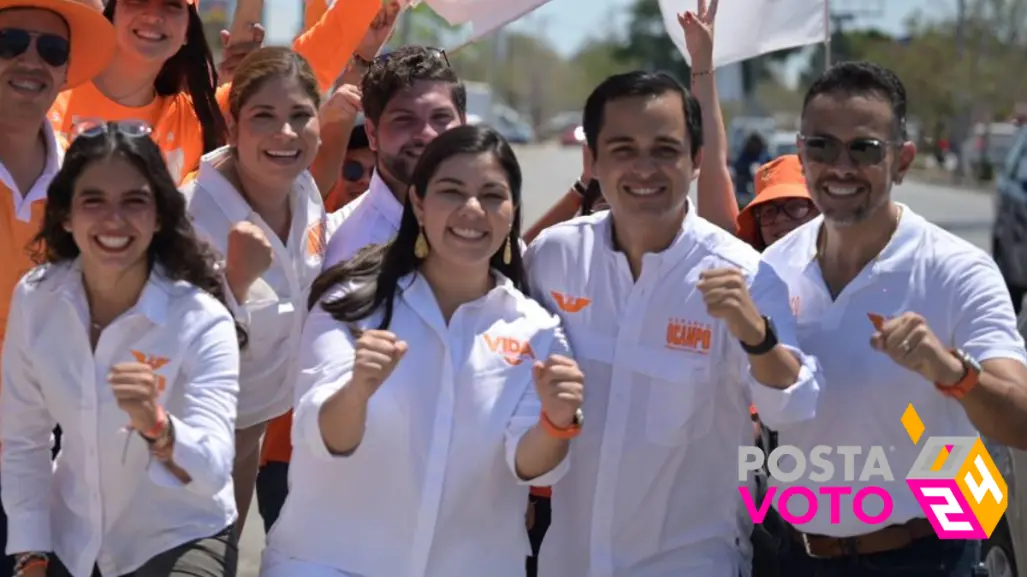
(93, 127)
(793, 208)
(827, 150)
(354, 171)
(436, 52)
(53, 49)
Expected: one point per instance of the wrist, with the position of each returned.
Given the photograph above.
(952, 370)
(753, 334)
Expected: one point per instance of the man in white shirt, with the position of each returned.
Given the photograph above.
(409, 96)
(47, 47)
(898, 312)
(677, 328)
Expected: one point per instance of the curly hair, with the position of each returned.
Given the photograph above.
(399, 70)
(175, 245)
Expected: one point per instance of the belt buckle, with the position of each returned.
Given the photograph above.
(807, 545)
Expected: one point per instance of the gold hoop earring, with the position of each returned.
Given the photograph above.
(421, 245)
(507, 251)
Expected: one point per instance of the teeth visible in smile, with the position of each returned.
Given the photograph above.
(842, 190)
(283, 153)
(27, 84)
(468, 233)
(146, 35)
(113, 242)
(643, 191)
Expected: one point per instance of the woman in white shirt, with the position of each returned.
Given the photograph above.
(257, 203)
(416, 461)
(122, 337)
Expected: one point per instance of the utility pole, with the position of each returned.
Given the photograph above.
(959, 132)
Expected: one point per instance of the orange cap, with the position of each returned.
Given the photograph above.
(779, 178)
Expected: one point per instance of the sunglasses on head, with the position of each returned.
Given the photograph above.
(436, 52)
(862, 151)
(52, 49)
(93, 127)
(793, 208)
(354, 171)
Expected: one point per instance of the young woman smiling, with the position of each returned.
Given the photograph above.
(163, 74)
(122, 337)
(256, 201)
(419, 456)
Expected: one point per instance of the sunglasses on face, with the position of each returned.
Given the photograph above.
(354, 171)
(862, 151)
(93, 127)
(793, 208)
(52, 49)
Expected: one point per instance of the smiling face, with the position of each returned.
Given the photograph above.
(643, 160)
(277, 133)
(151, 30)
(113, 216)
(411, 119)
(33, 62)
(467, 212)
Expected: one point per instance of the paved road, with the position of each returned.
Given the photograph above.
(548, 172)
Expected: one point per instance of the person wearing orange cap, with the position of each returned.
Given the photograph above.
(781, 205)
(46, 46)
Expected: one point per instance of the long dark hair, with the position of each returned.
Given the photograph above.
(376, 270)
(175, 245)
(192, 69)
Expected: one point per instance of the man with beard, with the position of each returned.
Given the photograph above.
(409, 96)
(899, 312)
(46, 46)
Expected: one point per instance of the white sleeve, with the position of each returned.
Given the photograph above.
(526, 416)
(205, 427)
(325, 365)
(25, 435)
(798, 402)
(985, 324)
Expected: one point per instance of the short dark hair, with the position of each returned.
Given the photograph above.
(399, 70)
(634, 84)
(862, 78)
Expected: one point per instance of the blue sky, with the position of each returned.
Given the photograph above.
(568, 23)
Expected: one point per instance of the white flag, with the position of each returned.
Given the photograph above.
(485, 16)
(745, 29)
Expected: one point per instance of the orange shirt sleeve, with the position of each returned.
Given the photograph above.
(329, 43)
(278, 441)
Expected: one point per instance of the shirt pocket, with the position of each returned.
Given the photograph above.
(271, 321)
(679, 405)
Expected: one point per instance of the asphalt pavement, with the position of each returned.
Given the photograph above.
(549, 171)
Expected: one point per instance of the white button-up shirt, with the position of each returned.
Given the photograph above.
(276, 304)
(653, 485)
(372, 218)
(432, 489)
(955, 286)
(104, 502)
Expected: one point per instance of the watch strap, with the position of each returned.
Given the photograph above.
(769, 340)
(563, 433)
(971, 376)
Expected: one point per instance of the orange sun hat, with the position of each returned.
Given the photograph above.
(92, 36)
(780, 178)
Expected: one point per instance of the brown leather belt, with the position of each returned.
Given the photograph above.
(886, 539)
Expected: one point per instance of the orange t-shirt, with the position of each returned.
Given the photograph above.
(327, 45)
(15, 237)
(277, 441)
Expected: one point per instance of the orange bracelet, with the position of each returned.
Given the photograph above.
(158, 428)
(29, 565)
(562, 433)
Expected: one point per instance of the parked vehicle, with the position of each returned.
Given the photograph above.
(1009, 232)
(987, 149)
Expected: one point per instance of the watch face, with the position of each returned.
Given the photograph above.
(579, 418)
(970, 362)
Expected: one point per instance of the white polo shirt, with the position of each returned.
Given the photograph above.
(104, 502)
(373, 218)
(432, 490)
(276, 304)
(924, 269)
(653, 486)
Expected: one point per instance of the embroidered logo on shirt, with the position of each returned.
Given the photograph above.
(513, 351)
(570, 304)
(155, 363)
(316, 241)
(689, 336)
